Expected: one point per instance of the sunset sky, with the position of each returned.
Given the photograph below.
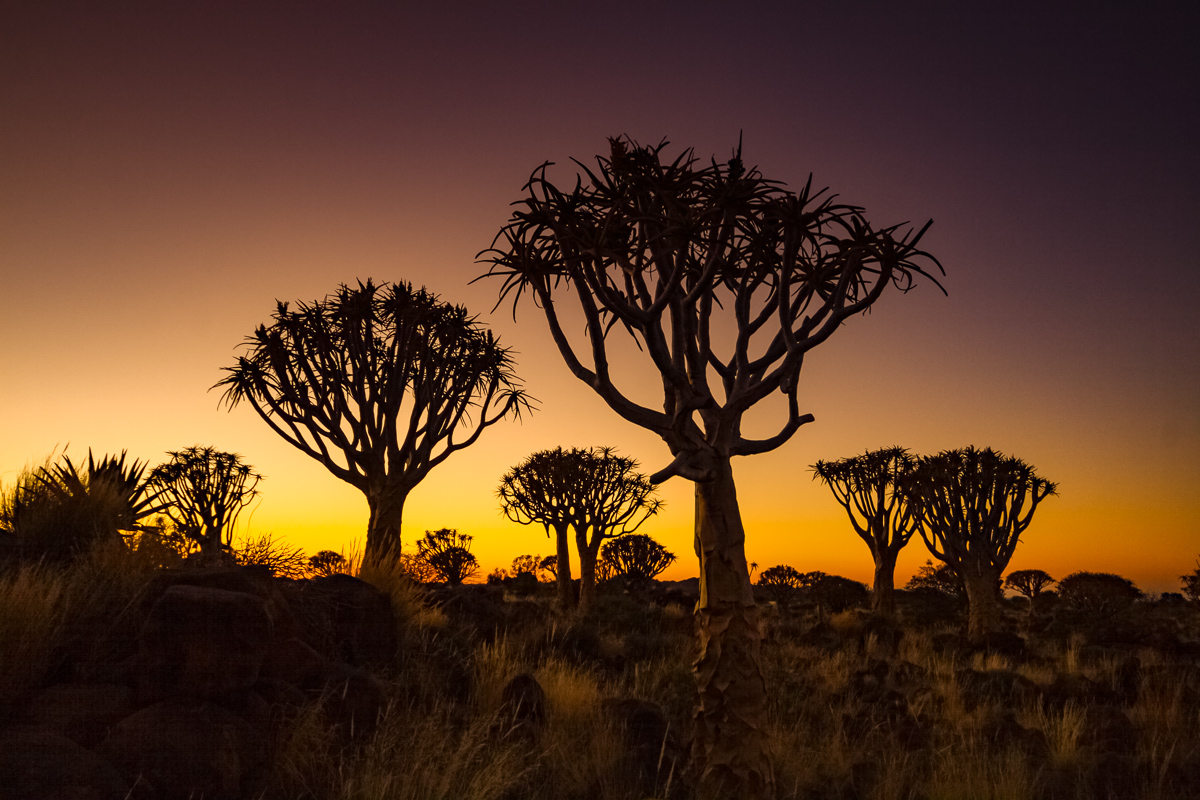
(169, 170)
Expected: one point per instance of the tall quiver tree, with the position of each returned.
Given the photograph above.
(677, 253)
(881, 516)
(971, 507)
(380, 383)
(593, 493)
(205, 490)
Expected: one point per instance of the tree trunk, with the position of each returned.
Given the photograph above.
(587, 573)
(729, 751)
(562, 572)
(980, 583)
(383, 527)
(883, 591)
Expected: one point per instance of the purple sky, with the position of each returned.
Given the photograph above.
(168, 170)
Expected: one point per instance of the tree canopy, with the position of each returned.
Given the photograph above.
(971, 507)
(593, 492)
(380, 383)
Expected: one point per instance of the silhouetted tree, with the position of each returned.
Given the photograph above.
(527, 563)
(417, 568)
(375, 382)
(971, 507)
(781, 582)
(595, 493)
(448, 554)
(834, 593)
(326, 563)
(204, 491)
(549, 565)
(1190, 584)
(940, 578)
(1097, 591)
(678, 253)
(1029, 583)
(636, 556)
(866, 487)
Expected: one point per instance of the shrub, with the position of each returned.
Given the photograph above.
(1190, 584)
(635, 555)
(837, 594)
(327, 563)
(941, 579)
(264, 550)
(1097, 591)
(781, 583)
(448, 554)
(59, 511)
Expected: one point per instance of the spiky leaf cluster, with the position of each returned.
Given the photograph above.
(672, 251)
(868, 487)
(375, 381)
(594, 491)
(971, 506)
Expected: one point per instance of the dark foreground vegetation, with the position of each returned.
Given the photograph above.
(116, 682)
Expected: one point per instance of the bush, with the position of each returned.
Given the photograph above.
(941, 579)
(1190, 584)
(264, 550)
(448, 553)
(58, 511)
(327, 563)
(1097, 591)
(838, 594)
(780, 582)
(635, 555)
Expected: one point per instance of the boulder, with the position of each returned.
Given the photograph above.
(653, 751)
(82, 713)
(255, 580)
(189, 749)
(350, 620)
(201, 642)
(292, 661)
(354, 699)
(43, 765)
(522, 706)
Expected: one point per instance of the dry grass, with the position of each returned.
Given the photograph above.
(34, 600)
(411, 756)
(837, 729)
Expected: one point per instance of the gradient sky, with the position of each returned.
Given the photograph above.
(169, 170)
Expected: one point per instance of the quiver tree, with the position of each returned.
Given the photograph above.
(782, 583)
(527, 563)
(971, 507)
(1030, 583)
(448, 553)
(205, 490)
(594, 493)
(636, 556)
(681, 254)
(866, 487)
(380, 383)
